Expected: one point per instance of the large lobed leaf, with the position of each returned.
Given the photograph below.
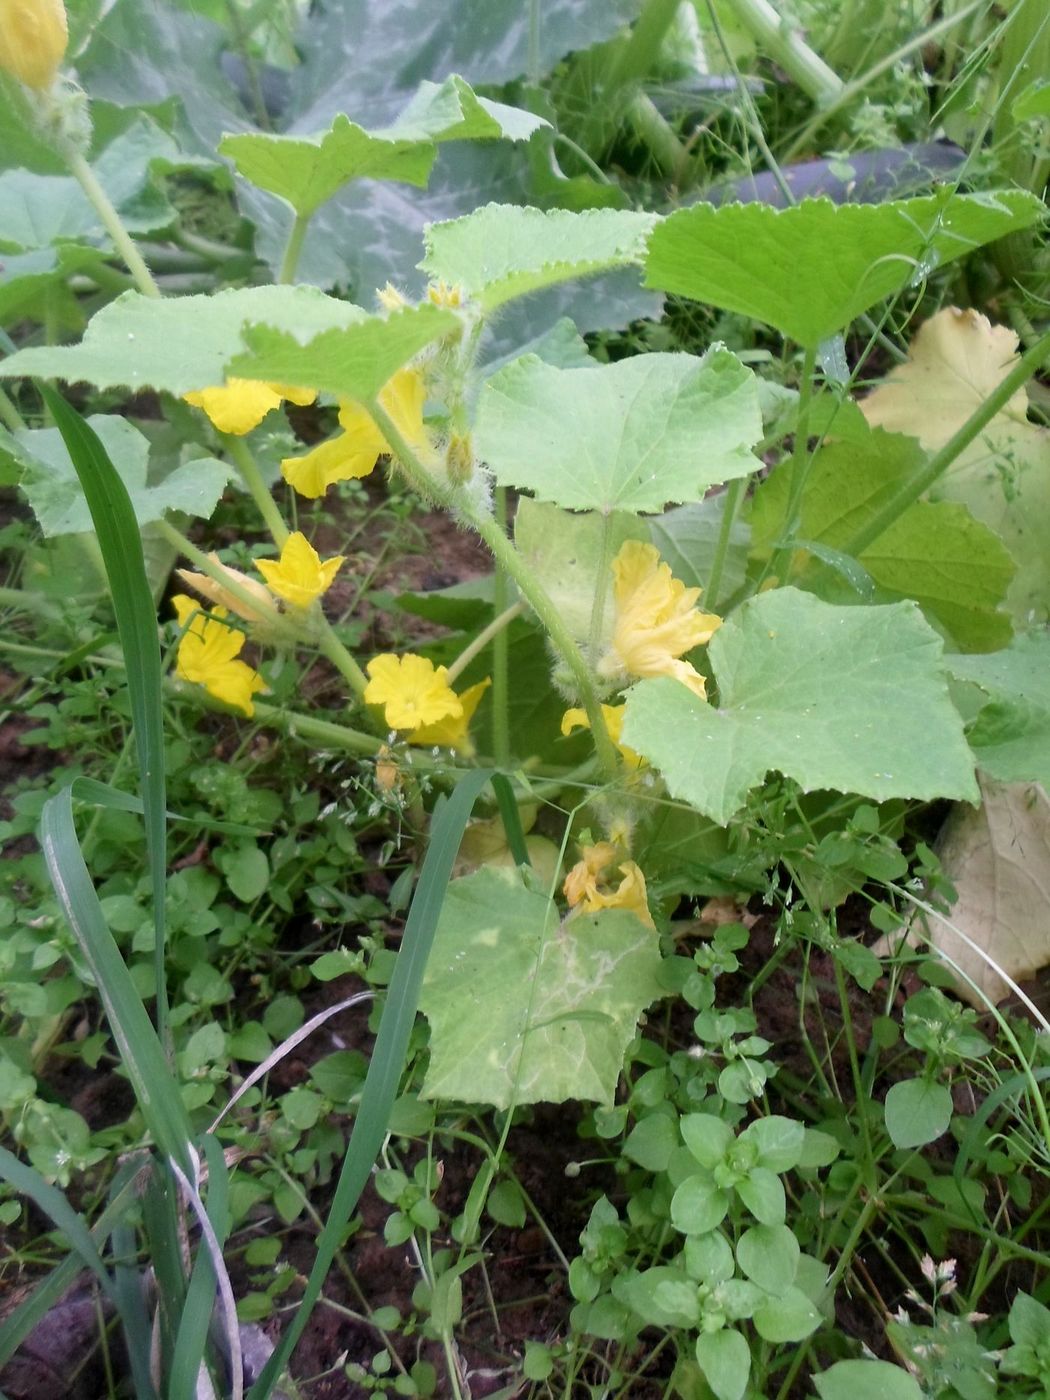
(306, 171)
(190, 343)
(809, 270)
(630, 436)
(53, 488)
(852, 699)
(503, 251)
(523, 1009)
(956, 360)
(955, 567)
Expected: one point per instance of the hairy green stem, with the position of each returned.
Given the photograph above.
(111, 220)
(734, 495)
(927, 475)
(293, 248)
(9, 414)
(786, 46)
(481, 641)
(801, 463)
(330, 646)
(237, 450)
(500, 652)
(508, 558)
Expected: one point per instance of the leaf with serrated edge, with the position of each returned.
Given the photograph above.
(935, 552)
(354, 362)
(632, 436)
(502, 251)
(306, 171)
(452, 111)
(56, 496)
(522, 1007)
(811, 269)
(178, 344)
(956, 360)
(851, 699)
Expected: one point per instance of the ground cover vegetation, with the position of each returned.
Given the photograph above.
(526, 706)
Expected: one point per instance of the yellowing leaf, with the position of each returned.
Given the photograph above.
(957, 359)
(998, 858)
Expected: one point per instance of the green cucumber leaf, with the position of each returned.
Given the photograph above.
(811, 269)
(523, 1010)
(851, 699)
(631, 436)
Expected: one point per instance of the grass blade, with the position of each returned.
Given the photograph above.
(140, 1049)
(388, 1057)
(28, 1182)
(121, 547)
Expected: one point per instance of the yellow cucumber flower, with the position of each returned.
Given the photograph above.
(656, 620)
(33, 38)
(583, 884)
(211, 589)
(413, 691)
(240, 405)
(453, 731)
(206, 656)
(356, 450)
(577, 719)
(299, 576)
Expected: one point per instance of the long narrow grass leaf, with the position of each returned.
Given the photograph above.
(17, 1326)
(388, 1056)
(191, 1342)
(140, 1049)
(121, 546)
(511, 817)
(28, 1181)
(211, 1245)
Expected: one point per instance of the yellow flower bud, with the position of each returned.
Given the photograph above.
(33, 38)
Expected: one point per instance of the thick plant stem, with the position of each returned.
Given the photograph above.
(246, 465)
(500, 653)
(293, 248)
(801, 463)
(920, 482)
(9, 414)
(481, 641)
(780, 42)
(330, 646)
(507, 557)
(111, 220)
(734, 494)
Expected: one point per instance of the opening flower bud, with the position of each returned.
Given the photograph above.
(33, 38)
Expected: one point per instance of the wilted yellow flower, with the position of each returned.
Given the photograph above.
(453, 732)
(206, 656)
(413, 690)
(656, 620)
(584, 890)
(388, 774)
(240, 405)
(360, 445)
(33, 38)
(300, 576)
(577, 719)
(211, 589)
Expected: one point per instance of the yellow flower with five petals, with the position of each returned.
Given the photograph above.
(613, 715)
(588, 892)
(300, 576)
(453, 731)
(656, 620)
(207, 656)
(359, 446)
(240, 405)
(413, 691)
